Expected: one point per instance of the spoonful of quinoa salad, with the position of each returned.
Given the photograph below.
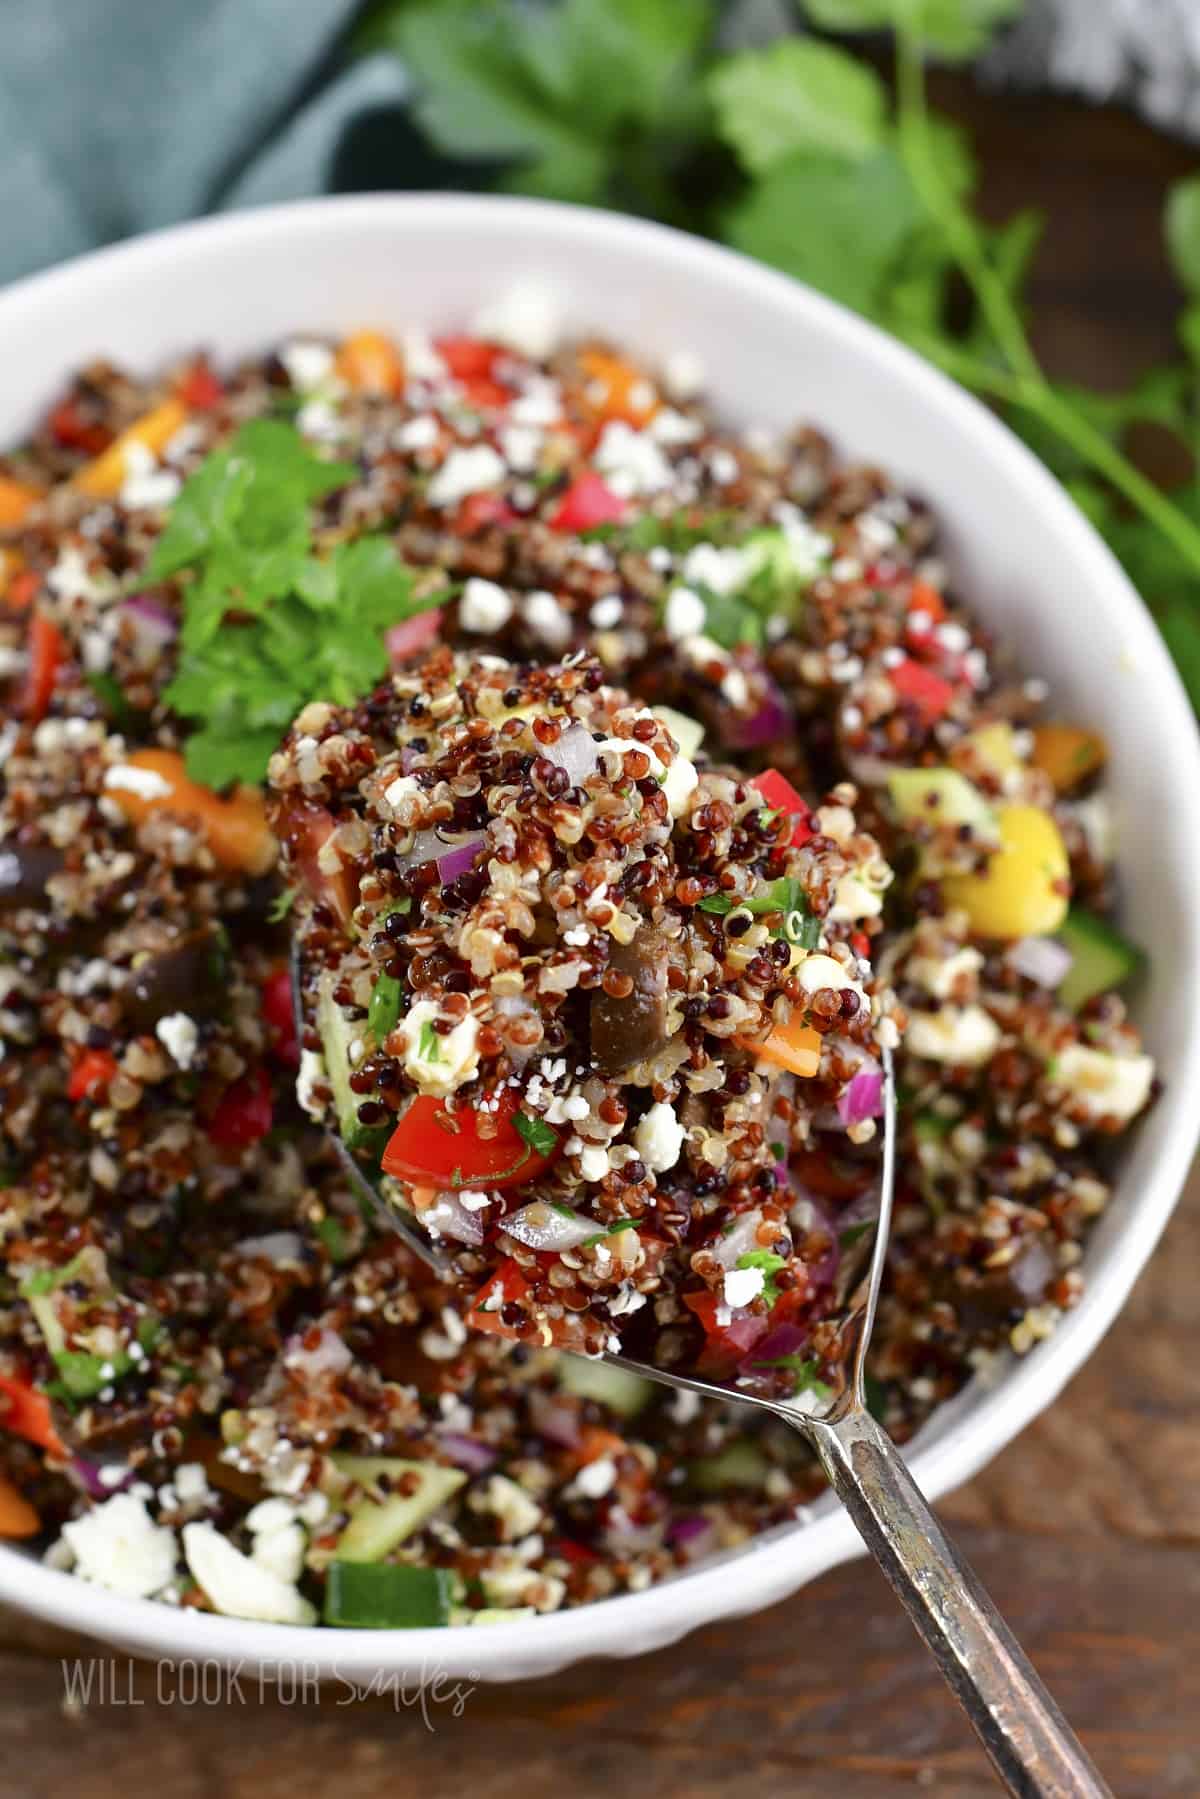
(577, 1002)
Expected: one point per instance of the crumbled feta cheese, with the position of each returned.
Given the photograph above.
(607, 612)
(818, 971)
(146, 783)
(464, 472)
(679, 784)
(404, 787)
(659, 1138)
(472, 1200)
(419, 433)
(854, 900)
(593, 1162)
(527, 318)
(178, 1035)
(942, 977)
(742, 1285)
(1095, 818)
(118, 1545)
(722, 570)
(684, 614)
(147, 486)
(281, 1552)
(439, 1064)
(236, 1585)
(313, 1073)
(961, 1035)
(191, 1484)
(1104, 1085)
(484, 607)
(71, 579)
(671, 427)
(308, 364)
(269, 1515)
(724, 467)
(520, 446)
(539, 403)
(595, 1478)
(547, 619)
(421, 360)
(318, 419)
(683, 375)
(631, 461)
(512, 1505)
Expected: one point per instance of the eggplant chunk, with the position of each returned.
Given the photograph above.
(625, 1031)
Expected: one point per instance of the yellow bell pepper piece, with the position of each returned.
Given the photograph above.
(994, 745)
(1024, 889)
(17, 501)
(102, 477)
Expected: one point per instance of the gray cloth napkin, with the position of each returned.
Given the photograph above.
(120, 115)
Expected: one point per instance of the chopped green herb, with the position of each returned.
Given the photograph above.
(770, 1264)
(875, 1394)
(110, 693)
(267, 624)
(855, 1233)
(282, 904)
(804, 1368)
(383, 1009)
(563, 1211)
(541, 1137)
(332, 1233)
(622, 1224)
(430, 1046)
(716, 902)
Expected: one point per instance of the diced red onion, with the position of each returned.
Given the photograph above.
(863, 1096)
(771, 719)
(576, 751)
(467, 1452)
(1041, 959)
(784, 1339)
(550, 1228)
(692, 1534)
(867, 771)
(412, 635)
(330, 1355)
(554, 1418)
(91, 1477)
(154, 624)
(448, 1217)
(460, 859)
(1031, 1271)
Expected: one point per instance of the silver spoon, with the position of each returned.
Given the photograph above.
(1032, 1747)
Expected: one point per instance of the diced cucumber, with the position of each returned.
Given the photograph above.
(589, 1378)
(774, 570)
(376, 1526)
(939, 796)
(687, 732)
(1101, 957)
(740, 1464)
(338, 1035)
(393, 1597)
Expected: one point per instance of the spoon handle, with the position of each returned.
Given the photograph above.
(1032, 1747)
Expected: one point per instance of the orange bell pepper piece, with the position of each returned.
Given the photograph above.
(102, 477)
(26, 1413)
(17, 1516)
(793, 1045)
(370, 363)
(236, 828)
(17, 501)
(616, 389)
(1068, 754)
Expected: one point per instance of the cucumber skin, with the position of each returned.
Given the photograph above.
(352, 1588)
(1103, 958)
(375, 1527)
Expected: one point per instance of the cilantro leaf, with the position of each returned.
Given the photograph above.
(797, 95)
(541, 1137)
(838, 225)
(804, 1372)
(1182, 225)
(770, 1264)
(955, 29)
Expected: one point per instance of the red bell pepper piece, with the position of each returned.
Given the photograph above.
(244, 1112)
(22, 589)
(928, 694)
(279, 1014)
(200, 390)
(781, 796)
(506, 1286)
(26, 1413)
(588, 502)
(91, 1074)
(47, 650)
(478, 511)
(468, 358)
(733, 1339)
(423, 1151)
(72, 431)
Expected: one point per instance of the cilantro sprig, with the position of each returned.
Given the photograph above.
(798, 152)
(268, 623)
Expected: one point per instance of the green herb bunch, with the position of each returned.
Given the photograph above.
(801, 154)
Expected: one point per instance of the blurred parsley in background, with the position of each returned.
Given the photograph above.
(801, 153)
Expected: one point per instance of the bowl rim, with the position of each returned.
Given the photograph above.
(774, 1565)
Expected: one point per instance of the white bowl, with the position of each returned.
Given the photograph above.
(775, 354)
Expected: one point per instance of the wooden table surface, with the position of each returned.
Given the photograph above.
(1087, 1530)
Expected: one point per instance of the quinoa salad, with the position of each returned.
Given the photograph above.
(627, 783)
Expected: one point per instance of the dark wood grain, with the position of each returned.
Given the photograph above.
(1087, 1530)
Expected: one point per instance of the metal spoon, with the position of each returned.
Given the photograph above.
(1033, 1748)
